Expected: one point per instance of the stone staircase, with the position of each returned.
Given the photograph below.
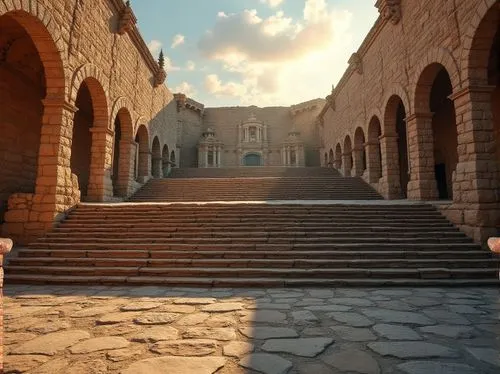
(243, 245)
(255, 184)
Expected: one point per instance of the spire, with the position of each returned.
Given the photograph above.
(161, 60)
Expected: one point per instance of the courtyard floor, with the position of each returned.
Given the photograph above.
(149, 330)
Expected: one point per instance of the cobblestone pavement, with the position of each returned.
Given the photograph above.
(153, 330)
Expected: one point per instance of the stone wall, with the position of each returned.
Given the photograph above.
(54, 49)
(410, 46)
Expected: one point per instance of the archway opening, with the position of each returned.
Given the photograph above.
(374, 150)
(22, 89)
(156, 162)
(81, 148)
(444, 132)
(172, 159)
(338, 156)
(347, 156)
(252, 159)
(360, 152)
(142, 158)
(330, 158)
(165, 160)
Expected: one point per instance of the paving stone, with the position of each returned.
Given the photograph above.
(396, 305)
(310, 302)
(15, 338)
(427, 367)
(222, 307)
(99, 344)
(23, 312)
(446, 316)
(306, 347)
(52, 343)
(176, 365)
(267, 332)
(177, 308)
(353, 334)
(391, 316)
(461, 295)
(116, 330)
(316, 331)
(123, 354)
(392, 292)
(464, 309)
(313, 368)
(351, 292)
(328, 308)
(302, 317)
(450, 331)
(266, 363)
(221, 320)
(113, 318)
(351, 318)
(94, 311)
(135, 307)
(195, 300)
(263, 316)
(465, 302)
(321, 294)
(156, 318)
(238, 349)
(285, 293)
(287, 300)
(155, 334)
(353, 360)
(351, 301)
(193, 319)
(422, 301)
(22, 324)
(270, 306)
(216, 333)
(58, 365)
(396, 332)
(188, 347)
(91, 367)
(20, 364)
(49, 327)
(489, 355)
(406, 350)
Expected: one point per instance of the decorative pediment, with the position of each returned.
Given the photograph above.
(390, 10)
(356, 63)
(127, 19)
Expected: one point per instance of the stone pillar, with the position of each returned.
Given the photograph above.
(5, 247)
(126, 167)
(476, 181)
(390, 185)
(205, 158)
(357, 155)
(347, 164)
(100, 185)
(422, 184)
(156, 167)
(288, 156)
(373, 166)
(337, 164)
(144, 164)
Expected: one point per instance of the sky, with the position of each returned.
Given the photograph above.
(254, 52)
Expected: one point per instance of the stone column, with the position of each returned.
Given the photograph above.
(373, 166)
(337, 164)
(422, 184)
(144, 164)
(5, 247)
(347, 164)
(205, 151)
(100, 185)
(156, 167)
(126, 166)
(288, 156)
(357, 156)
(390, 185)
(476, 181)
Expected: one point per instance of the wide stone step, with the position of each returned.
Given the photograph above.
(252, 254)
(228, 245)
(424, 273)
(256, 263)
(246, 282)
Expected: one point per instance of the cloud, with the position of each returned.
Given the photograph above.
(278, 60)
(272, 3)
(190, 65)
(178, 40)
(186, 88)
(214, 86)
(154, 47)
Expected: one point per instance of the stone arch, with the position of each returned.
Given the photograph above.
(482, 26)
(123, 149)
(38, 20)
(120, 104)
(165, 157)
(156, 160)
(424, 76)
(373, 150)
(394, 144)
(347, 159)
(92, 141)
(91, 73)
(396, 91)
(31, 104)
(143, 154)
(359, 153)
